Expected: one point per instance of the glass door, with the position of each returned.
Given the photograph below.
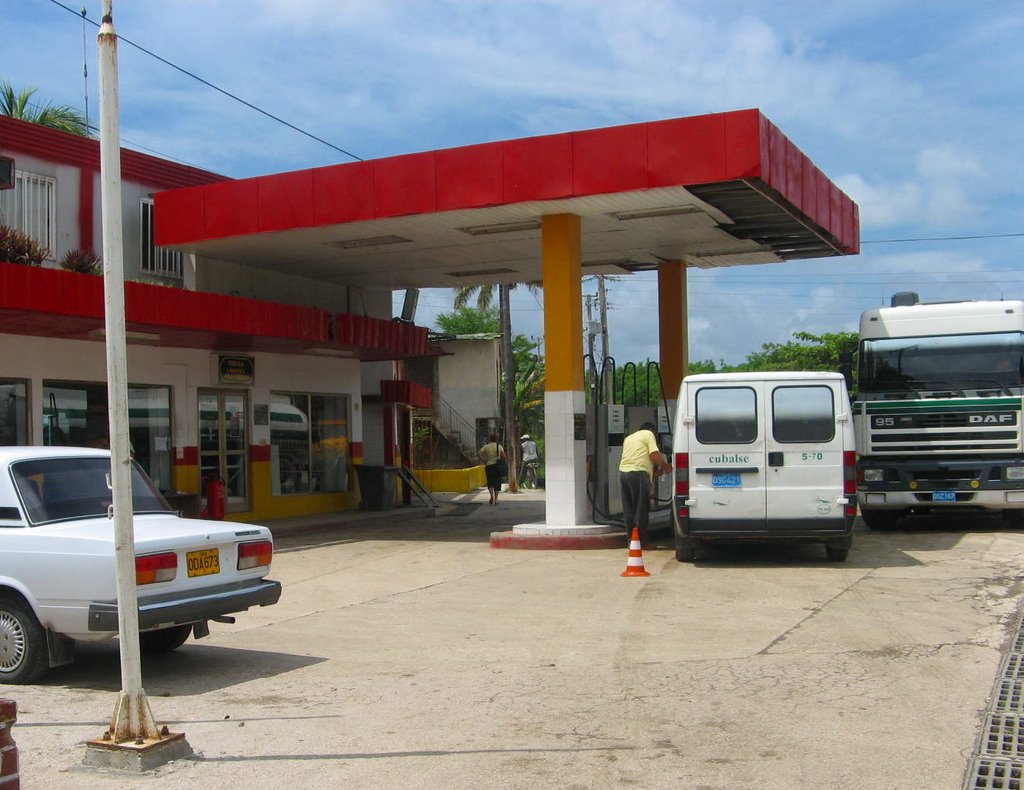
(224, 444)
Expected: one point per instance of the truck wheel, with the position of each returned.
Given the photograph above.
(1014, 517)
(23, 653)
(881, 519)
(686, 549)
(837, 552)
(164, 640)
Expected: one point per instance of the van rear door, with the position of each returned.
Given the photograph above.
(727, 457)
(804, 446)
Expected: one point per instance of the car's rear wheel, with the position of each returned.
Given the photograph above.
(23, 655)
(164, 640)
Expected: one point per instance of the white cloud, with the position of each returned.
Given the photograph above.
(946, 188)
(915, 117)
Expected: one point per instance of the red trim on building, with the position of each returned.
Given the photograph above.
(408, 340)
(186, 456)
(84, 152)
(721, 147)
(407, 392)
(62, 304)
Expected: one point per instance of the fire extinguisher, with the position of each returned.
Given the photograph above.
(215, 497)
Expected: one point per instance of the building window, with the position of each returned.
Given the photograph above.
(75, 415)
(309, 442)
(31, 207)
(13, 412)
(157, 260)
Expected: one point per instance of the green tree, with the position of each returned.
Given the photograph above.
(469, 321)
(636, 383)
(528, 396)
(706, 366)
(16, 104)
(830, 351)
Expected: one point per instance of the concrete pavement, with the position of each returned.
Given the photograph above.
(407, 653)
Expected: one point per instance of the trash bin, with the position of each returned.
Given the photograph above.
(377, 486)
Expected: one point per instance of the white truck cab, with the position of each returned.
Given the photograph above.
(764, 456)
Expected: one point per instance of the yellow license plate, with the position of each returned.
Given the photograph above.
(203, 563)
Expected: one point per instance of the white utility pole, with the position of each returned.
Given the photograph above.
(132, 719)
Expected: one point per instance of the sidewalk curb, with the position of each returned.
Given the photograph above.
(511, 540)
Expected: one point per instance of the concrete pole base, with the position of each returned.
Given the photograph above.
(138, 757)
(546, 537)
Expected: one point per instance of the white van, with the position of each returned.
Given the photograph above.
(765, 456)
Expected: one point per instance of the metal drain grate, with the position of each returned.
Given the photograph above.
(1013, 666)
(995, 775)
(1009, 696)
(1003, 736)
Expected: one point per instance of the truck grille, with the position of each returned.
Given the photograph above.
(947, 427)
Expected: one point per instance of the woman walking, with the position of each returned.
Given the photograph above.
(492, 455)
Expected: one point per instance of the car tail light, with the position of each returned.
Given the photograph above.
(255, 555)
(153, 568)
(682, 464)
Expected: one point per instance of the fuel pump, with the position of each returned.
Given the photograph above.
(608, 420)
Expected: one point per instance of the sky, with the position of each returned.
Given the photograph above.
(914, 109)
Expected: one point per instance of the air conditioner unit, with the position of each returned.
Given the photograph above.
(6, 172)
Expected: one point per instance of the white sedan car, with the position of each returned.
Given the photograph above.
(57, 577)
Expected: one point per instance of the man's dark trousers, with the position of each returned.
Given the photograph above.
(636, 497)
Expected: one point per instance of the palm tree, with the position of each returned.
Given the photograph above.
(485, 295)
(57, 116)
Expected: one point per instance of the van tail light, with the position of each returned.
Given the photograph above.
(153, 568)
(850, 481)
(255, 555)
(682, 467)
(849, 472)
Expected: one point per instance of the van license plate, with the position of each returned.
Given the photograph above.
(203, 563)
(726, 481)
(943, 496)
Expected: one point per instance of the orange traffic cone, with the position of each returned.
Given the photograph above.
(635, 563)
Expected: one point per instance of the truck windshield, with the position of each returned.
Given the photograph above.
(908, 367)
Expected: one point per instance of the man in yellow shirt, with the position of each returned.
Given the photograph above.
(640, 458)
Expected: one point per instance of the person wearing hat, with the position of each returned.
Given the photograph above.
(531, 461)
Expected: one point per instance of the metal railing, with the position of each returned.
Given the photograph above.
(454, 427)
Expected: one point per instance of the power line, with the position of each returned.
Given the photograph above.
(944, 238)
(209, 84)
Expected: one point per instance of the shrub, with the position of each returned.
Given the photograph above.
(82, 261)
(18, 247)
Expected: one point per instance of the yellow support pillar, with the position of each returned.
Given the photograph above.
(566, 522)
(564, 403)
(672, 318)
(563, 302)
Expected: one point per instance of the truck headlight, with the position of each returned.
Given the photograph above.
(874, 475)
(1015, 473)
